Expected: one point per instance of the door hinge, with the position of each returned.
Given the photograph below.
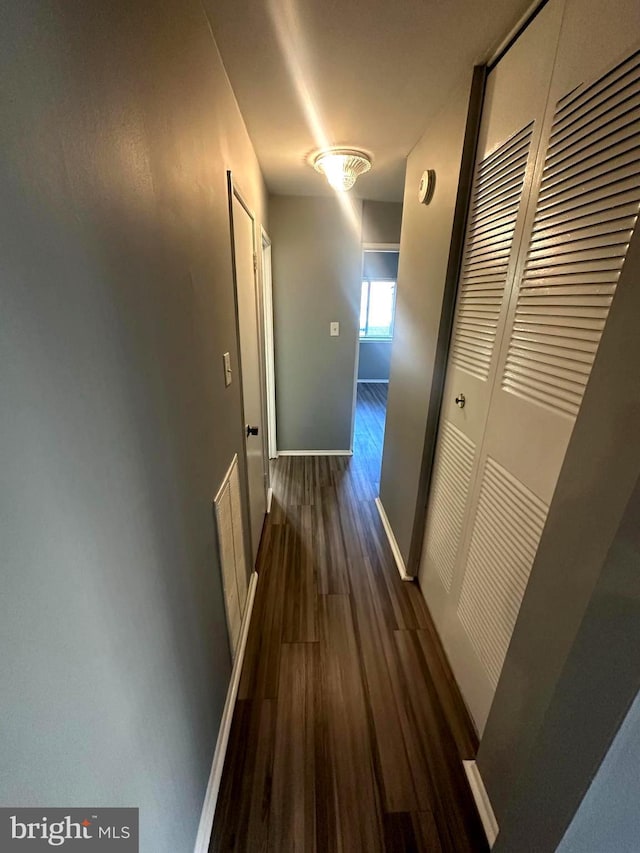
(255, 262)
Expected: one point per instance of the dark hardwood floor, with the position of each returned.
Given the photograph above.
(371, 412)
(349, 730)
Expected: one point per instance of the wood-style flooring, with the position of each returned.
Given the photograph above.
(349, 730)
(368, 438)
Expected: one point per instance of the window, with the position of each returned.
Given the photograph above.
(377, 309)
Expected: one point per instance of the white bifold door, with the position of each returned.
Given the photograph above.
(555, 200)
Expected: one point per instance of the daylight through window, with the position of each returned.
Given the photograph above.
(377, 309)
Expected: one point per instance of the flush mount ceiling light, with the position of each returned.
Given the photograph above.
(341, 166)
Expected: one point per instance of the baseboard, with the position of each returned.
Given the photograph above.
(315, 453)
(373, 381)
(213, 787)
(269, 499)
(397, 556)
(483, 803)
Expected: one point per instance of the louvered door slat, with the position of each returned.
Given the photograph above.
(494, 209)
(600, 246)
(612, 156)
(508, 165)
(616, 105)
(562, 305)
(617, 128)
(553, 367)
(497, 223)
(623, 168)
(503, 187)
(587, 209)
(584, 94)
(537, 350)
(625, 210)
(506, 531)
(568, 342)
(449, 492)
(584, 194)
(617, 136)
(483, 248)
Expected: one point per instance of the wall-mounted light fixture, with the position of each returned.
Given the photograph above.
(341, 166)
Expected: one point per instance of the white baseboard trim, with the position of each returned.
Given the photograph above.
(374, 381)
(397, 556)
(315, 453)
(213, 787)
(483, 803)
(269, 499)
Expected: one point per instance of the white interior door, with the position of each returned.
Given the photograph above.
(530, 313)
(248, 327)
(269, 346)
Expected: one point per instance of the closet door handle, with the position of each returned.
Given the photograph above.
(460, 401)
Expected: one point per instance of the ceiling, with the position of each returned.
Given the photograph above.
(362, 73)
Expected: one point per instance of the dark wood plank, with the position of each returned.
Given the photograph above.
(392, 762)
(292, 824)
(368, 437)
(399, 833)
(334, 570)
(426, 832)
(350, 771)
(244, 798)
(435, 754)
(300, 618)
(448, 692)
(259, 678)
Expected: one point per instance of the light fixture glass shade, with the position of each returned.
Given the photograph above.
(341, 166)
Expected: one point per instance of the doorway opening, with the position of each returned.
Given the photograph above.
(377, 316)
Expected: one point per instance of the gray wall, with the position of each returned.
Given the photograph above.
(374, 360)
(317, 262)
(381, 222)
(608, 820)
(118, 125)
(424, 254)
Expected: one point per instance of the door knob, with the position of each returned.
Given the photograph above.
(252, 430)
(460, 401)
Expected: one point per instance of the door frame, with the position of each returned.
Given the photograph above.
(269, 344)
(234, 191)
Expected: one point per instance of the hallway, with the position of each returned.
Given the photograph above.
(368, 436)
(348, 732)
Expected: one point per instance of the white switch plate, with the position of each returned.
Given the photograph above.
(334, 329)
(226, 361)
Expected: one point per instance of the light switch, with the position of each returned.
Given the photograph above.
(334, 329)
(226, 361)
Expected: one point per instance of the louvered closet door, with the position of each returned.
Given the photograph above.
(509, 137)
(582, 214)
